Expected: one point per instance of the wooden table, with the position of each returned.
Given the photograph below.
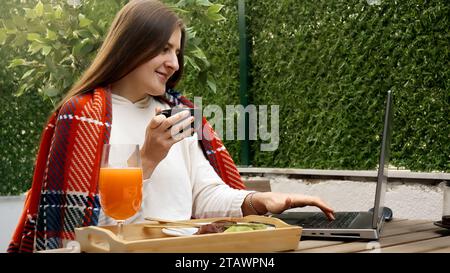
(405, 236)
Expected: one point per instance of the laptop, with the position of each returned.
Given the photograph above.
(361, 225)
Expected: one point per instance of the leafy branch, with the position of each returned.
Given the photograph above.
(55, 41)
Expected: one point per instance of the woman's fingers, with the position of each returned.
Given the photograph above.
(157, 110)
(182, 135)
(172, 120)
(325, 208)
(157, 121)
(314, 201)
(279, 202)
(158, 137)
(180, 127)
(319, 203)
(173, 126)
(330, 215)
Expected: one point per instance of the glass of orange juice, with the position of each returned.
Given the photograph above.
(120, 182)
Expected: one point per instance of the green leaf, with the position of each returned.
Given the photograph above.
(17, 62)
(87, 47)
(57, 45)
(39, 9)
(191, 62)
(181, 3)
(35, 37)
(204, 3)
(50, 65)
(51, 91)
(191, 33)
(198, 53)
(215, 8)
(22, 88)
(81, 49)
(84, 22)
(94, 32)
(215, 17)
(212, 85)
(51, 35)
(82, 33)
(34, 47)
(28, 74)
(46, 50)
(58, 12)
(180, 10)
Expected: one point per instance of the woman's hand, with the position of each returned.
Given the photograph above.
(275, 202)
(160, 135)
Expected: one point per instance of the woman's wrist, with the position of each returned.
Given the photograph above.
(148, 166)
(259, 203)
(254, 204)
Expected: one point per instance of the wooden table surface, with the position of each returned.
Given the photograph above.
(405, 236)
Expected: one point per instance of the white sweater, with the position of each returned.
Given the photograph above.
(184, 184)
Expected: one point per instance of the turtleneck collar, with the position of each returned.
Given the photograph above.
(143, 103)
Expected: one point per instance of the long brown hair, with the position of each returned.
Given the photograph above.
(139, 32)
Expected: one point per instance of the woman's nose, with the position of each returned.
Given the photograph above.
(173, 62)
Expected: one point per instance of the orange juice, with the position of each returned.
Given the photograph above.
(120, 191)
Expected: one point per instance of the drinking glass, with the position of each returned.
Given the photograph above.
(120, 182)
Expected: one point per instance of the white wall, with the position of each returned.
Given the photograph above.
(10, 210)
(408, 201)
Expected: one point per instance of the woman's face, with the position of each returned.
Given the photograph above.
(152, 76)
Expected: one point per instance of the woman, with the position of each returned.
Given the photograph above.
(118, 100)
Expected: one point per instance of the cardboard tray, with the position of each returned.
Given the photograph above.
(138, 238)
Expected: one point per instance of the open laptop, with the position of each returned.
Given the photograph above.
(362, 225)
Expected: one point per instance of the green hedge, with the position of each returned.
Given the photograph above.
(327, 63)
(21, 122)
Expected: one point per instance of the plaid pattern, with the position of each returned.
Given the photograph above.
(212, 146)
(63, 195)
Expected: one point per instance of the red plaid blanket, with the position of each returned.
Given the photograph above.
(63, 194)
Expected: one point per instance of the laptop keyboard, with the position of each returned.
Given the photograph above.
(319, 220)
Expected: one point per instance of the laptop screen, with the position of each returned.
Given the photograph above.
(383, 163)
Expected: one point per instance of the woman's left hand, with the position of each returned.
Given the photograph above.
(275, 202)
